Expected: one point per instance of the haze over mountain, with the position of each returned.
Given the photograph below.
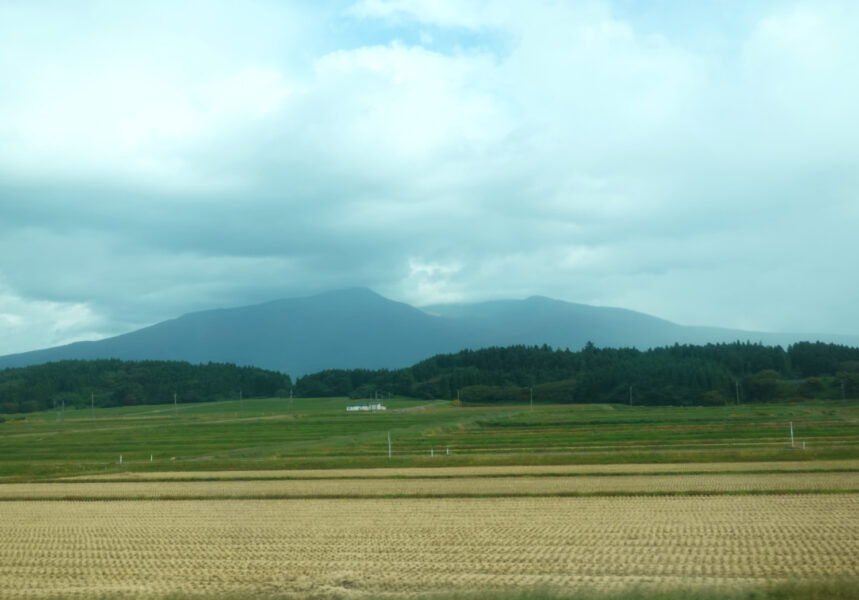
(357, 328)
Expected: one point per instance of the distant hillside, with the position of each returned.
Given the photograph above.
(358, 328)
(714, 374)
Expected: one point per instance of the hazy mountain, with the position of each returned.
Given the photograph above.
(357, 328)
(353, 328)
(541, 320)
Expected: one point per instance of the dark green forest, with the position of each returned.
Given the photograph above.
(78, 383)
(714, 374)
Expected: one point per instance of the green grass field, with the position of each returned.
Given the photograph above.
(320, 434)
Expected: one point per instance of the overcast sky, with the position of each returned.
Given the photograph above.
(698, 161)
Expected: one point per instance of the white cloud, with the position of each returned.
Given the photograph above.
(431, 282)
(29, 324)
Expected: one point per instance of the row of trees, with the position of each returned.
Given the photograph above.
(679, 374)
(76, 383)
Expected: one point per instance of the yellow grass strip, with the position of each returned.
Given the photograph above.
(378, 548)
(488, 470)
(460, 486)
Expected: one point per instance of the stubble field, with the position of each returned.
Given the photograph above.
(372, 547)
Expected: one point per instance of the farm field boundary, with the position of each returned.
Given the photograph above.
(832, 466)
(456, 487)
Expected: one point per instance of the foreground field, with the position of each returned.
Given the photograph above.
(373, 548)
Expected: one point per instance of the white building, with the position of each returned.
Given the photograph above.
(368, 406)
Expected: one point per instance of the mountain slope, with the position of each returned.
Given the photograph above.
(541, 320)
(352, 328)
(358, 328)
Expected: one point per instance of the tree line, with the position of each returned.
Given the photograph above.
(78, 383)
(712, 374)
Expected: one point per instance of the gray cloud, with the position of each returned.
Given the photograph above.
(162, 158)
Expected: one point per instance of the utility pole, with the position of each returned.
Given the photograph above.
(389, 444)
(792, 445)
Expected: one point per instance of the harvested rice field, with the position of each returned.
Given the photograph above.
(360, 548)
(357, 487)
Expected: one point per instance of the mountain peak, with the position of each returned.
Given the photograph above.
(355, 297)
(356, 292)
